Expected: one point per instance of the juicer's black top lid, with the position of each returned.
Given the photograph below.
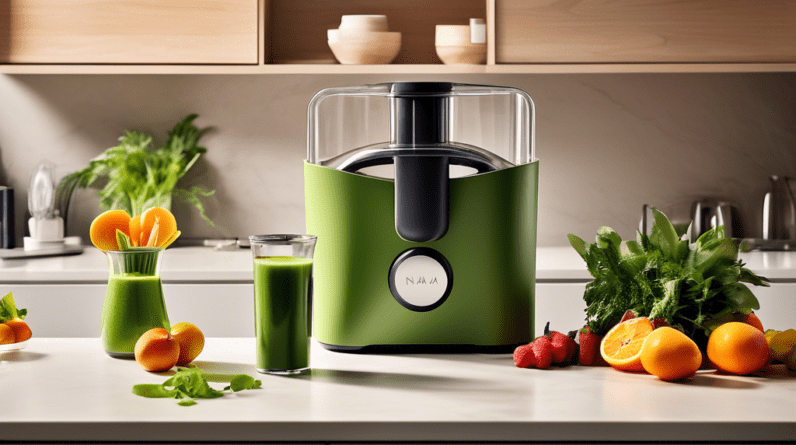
(420, 89)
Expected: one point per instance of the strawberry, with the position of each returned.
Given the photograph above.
(590, 348)
(524, 357)
(562, 346)
(543, 352)
(629, 314)
(659, 323)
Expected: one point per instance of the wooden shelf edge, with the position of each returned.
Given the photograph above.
(404, 69)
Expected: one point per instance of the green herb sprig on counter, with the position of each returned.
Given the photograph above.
(695, 286)
(140, 176)
(190, 383)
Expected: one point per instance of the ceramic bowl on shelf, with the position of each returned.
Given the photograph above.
(364, 22)
(454, 46)
(355, 47)
(471, 54)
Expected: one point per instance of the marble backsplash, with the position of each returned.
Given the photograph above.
(607, 143)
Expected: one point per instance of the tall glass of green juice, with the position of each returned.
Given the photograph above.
(283, 301)
(134, 300)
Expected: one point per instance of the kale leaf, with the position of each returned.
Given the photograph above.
(661, 275)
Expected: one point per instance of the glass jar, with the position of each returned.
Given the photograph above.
(134, 300)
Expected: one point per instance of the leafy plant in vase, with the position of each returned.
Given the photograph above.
(138, 176)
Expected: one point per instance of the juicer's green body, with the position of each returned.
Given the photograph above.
(490, 246)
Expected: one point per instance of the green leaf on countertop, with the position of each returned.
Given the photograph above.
(8, 309)
(241, 382)
(189, 383)
(154, 391)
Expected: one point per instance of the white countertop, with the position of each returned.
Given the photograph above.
(204, 264)
(68, 389)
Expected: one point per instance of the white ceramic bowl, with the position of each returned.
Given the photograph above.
(364, 48)
(452, 35)
(364, 22)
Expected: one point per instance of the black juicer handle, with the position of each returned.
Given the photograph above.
(421, 197)
(418, 117)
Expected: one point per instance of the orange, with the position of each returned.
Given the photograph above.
(160, 221)
(191, 341)
(6, 334)
(621, 346)
(752, 320)
(135, 231)
(20, 328)
(670, 355)
(738, 348)
(156, 350)
(103, 229)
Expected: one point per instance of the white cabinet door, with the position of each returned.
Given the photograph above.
(777, 305)
(562, 305)
(75, 310)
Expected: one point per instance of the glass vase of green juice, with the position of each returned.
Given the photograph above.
(282, 302)
(134, 300)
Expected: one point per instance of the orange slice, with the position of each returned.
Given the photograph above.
(161, 222)
(103, 229)
(621, 346)
(135, 231)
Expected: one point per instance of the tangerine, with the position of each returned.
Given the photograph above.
(191, 341)
(670, 355)
(6, 334)
(752, 320)
(621, 346)
(21, 329)
(156, 350)
(738, 348)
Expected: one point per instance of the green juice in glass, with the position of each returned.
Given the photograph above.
(282, 313)
(133, 305)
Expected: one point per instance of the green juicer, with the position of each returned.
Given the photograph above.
(423, 197)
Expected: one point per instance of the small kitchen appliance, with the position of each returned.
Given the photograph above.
(423, 198)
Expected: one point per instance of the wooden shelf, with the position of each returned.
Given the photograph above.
(397, 69)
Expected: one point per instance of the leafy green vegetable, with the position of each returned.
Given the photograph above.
(690, 285)
(8, 309)
(190, 383)
(140, 177)
(241, 382)
(122, 240)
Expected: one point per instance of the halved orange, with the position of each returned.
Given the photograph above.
(621, 346)
(103, 229)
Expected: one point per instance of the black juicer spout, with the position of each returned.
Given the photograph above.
(419, 117)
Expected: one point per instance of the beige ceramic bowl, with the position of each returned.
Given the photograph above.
(454, 46)
(470, 54)
(364, 48)
(452, 35)
(364, 22)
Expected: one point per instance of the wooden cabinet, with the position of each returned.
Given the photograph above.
(129, 31)
(289, 36)
(644, 31)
